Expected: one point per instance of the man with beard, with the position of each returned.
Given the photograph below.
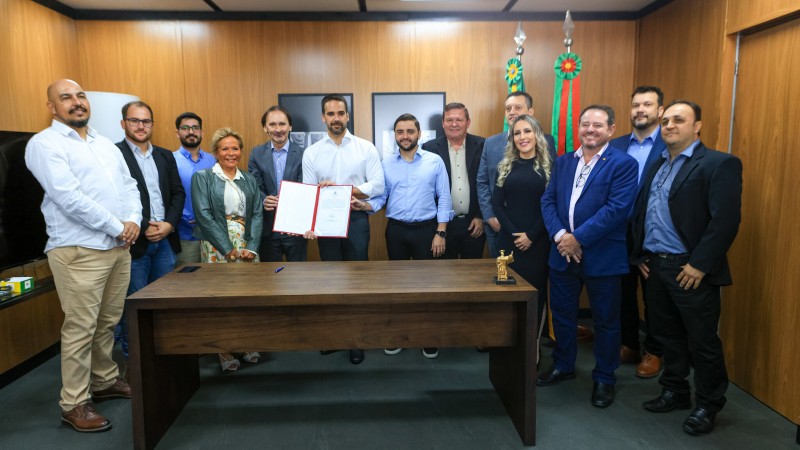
(162, 197)
(686, 219)
(645, 145)
(343, 159)
(417, 199)
(270, 163)
(517, 104)
(585, 210)
(461, 153)
(92, 211)
(190, 159)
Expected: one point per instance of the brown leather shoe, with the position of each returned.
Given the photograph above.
(585, 334)
(628, 355)
(120, 389)
(649, 367)
(85, 419)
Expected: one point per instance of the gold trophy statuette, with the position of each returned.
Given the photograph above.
(502, 268)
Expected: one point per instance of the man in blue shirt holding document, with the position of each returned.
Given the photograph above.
(417, 199)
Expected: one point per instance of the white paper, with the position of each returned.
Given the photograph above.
(296, 204)
(333, 211)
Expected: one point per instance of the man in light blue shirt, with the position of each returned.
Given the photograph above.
(417, 199)
(190, 159)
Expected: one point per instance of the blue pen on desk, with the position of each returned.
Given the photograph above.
(279, 269)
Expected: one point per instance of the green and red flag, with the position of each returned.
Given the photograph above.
(514, 79)
(566, 103)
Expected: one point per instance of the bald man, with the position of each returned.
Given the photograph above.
(92, 210)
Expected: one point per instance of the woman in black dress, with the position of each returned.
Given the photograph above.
(522, 176)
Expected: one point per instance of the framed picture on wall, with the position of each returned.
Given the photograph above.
(306, 111)
(427, 107)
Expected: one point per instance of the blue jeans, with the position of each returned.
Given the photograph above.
(158, 261)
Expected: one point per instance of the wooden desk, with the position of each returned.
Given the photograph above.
(325, 305)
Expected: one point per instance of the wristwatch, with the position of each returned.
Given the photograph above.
(441, 234)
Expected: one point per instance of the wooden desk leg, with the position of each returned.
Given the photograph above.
(161, 384)
(512, 371)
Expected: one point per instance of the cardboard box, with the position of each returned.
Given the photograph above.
(19, 285)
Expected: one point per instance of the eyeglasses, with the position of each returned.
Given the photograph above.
(147, 123)
(190, 127)
(583, 175)
(665, 171)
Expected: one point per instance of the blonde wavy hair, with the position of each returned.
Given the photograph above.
(541, 161)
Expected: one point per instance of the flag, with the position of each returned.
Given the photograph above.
(566, 103)
(514, 79)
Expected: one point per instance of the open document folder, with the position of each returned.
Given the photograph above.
(303, 207)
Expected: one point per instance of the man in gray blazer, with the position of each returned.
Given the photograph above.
(270, 163)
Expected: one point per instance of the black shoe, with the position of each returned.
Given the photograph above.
(699, 422)
(553, 376)
(668, 401)
(327, 352)
(602, 395)
(356, 356)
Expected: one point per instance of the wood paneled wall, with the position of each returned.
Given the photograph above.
(680, 50)
(37, 46)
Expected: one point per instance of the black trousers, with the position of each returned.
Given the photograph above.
(459, 243)
(629, 314)
(410, 240)
(686, 322)
(355, 247)
(274, 247)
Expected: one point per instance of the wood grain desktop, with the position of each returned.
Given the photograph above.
(326, 305)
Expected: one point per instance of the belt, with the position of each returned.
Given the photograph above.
(424, 223)
(670, 256)
(460, 216)
(235, 218)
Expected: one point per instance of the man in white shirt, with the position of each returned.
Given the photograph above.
(92, 210)
(338, 159)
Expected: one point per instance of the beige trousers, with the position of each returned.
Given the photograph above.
(190, 253)
(91, 286)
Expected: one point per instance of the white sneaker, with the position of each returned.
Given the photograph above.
(392, 351)
(430, 353)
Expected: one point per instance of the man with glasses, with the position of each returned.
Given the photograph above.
(686, 218)
(190, 159)
(162, 197)
(585, 210)
(461, 153)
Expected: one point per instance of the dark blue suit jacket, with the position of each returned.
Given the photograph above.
(600, 214)
(261, 167)
(623, 142)
(172, 194)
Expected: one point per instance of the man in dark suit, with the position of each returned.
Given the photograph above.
(645, 146)
(270, 163)
(686, 218)
(162, 195)
(585, 209)
(517, 104)
(461, 153)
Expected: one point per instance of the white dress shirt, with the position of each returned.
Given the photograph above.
(88, 190)
(582, 171)
(355, 162)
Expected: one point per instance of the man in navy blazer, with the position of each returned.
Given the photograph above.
(156, 173)
(517, 104)
(686, 218)
(270, 163)
(645, 145)
(585, 209)
(461, 153)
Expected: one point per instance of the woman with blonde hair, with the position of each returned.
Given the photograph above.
(227, 205)
(522, 176)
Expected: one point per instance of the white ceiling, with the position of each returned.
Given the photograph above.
(352, 6)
